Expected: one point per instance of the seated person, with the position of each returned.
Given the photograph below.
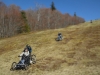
(24, 56)
(59, 36)
(29, 48)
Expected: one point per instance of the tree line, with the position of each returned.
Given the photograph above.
(13, 20)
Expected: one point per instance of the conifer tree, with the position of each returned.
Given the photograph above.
(26, 26)
(53, 6)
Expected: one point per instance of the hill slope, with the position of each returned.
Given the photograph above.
(77, 54)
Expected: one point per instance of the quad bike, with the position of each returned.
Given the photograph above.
(20, 65)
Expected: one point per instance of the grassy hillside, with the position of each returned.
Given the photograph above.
(77, 54)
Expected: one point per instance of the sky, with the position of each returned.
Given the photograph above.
(87, 9)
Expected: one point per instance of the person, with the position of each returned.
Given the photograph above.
(24, 56)
(29, 48)
(59, 36)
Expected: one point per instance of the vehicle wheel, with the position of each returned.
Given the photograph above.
(26, 67)
(13, 66)
(56, 39)
(33, 59)
(32, 56)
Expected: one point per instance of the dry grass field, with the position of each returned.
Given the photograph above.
(77, 54)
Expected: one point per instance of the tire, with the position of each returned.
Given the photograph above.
(26, 67)
(33, 59)
(13, 66)
(33, 56)
(57, 39)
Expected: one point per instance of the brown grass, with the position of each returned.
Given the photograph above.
(78, 53)
(49, 64)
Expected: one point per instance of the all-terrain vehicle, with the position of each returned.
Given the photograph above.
(23, 63)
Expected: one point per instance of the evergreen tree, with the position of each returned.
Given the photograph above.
(91, 21)
(25, 28)
(53, 6)
(74, 14)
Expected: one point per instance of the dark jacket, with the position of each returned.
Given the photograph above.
(29, 49)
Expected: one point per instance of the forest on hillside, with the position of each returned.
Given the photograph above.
(14, 21)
